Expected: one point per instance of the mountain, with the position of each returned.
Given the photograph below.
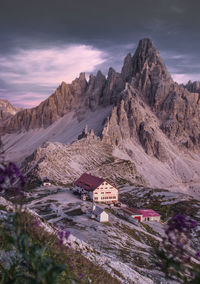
(144, 117)
(79, 96)
(193, 87)
(7, 110)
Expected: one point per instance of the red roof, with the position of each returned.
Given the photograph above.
(148, 213)
(132, 211)
(89, 182)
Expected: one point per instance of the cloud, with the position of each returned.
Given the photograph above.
(184, 78)
(44, 69)
(49, 67)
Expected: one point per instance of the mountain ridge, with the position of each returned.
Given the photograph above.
(141, 112)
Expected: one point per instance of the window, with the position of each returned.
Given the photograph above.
(102, 198)
(96, 198)
(108, 192)
(96, 193)
(102, 192)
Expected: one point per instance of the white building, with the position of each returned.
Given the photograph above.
(141, 215)
(97, 189)
(46, 182)
(149, 215)
(99, 214)
(131, 213)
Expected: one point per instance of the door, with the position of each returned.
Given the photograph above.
(138, 218)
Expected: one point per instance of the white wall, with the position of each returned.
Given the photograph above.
(103, 217)
(154, 218)
(105, 193)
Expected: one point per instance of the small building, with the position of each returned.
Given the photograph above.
(99, 214)
(141, 214)
(132, 213)
(46, 182)
(96, 189)
(149, 215)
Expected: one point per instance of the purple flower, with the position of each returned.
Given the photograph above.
(60, 236)
(80, 274)
(198, 254)
(9, 176)
(63, 235)
(37, 222)
(180, 223)
(67, 234)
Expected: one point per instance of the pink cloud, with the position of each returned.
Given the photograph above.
(184, 78)
(46, 68)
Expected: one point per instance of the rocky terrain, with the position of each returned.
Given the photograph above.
(123, 248)
(193, 87)
(7, 110)
(141, 114)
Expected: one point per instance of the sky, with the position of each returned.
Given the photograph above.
(45, 42)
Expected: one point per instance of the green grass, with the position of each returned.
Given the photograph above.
(2, 207)
(76, 263)
(149, 229)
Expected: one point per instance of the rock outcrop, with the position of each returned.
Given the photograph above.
(177, 108)
(132, 120)
(65, 99)
(114, 85)
(65, 163)
(94, 90)
(193, 87)
(7, 110)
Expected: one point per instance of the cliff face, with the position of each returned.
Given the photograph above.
(62, 101)
(147, 82)
(193, 87)
(7, 110)
(177, 108)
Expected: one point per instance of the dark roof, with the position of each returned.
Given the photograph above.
(97, 211)
(131, 211)
(89, 182)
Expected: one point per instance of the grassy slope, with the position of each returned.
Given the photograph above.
(76, 263)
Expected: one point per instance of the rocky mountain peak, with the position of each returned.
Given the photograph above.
(127, 69)
(7, 110)
(145, 52)
(193, 87)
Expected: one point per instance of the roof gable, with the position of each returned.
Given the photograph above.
(148, 213)
(132, 211)
(98, 211)
(89, 182)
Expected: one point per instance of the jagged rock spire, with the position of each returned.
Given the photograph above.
(145, 59)
(147, 56)
(148, 73)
